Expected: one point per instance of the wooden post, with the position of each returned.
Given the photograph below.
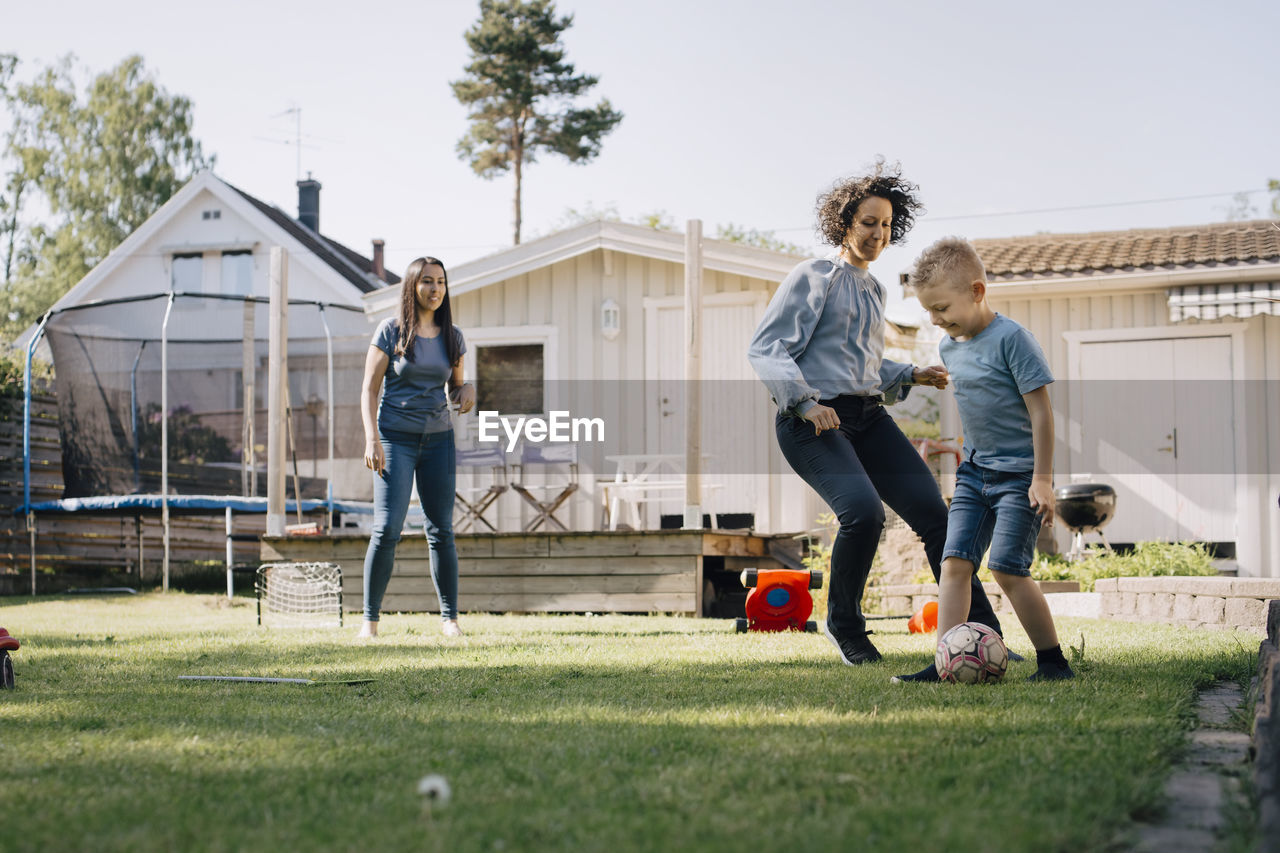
(277, 378)
(248, 355)
(693, 374)
(949, 431)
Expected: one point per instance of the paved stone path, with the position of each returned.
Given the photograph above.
(1206, 781)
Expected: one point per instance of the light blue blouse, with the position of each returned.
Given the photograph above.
(823, 335)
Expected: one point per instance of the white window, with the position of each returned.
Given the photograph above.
(513, 369)
(510, 378)
(187, 274)
(237, 273)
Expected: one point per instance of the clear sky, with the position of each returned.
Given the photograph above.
(735, 111)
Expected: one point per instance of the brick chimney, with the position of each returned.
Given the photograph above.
(379, 270)
(309, 203)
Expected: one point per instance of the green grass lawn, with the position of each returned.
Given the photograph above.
(572, 733)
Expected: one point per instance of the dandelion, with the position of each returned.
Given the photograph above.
(434, 790)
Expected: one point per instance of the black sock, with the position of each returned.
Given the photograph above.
(1050, 657)
(929, 673)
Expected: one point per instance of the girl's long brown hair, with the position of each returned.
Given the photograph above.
(409, 312)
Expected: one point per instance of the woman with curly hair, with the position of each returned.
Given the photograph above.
(408, 434)
(820, 352)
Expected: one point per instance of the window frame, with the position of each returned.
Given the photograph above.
(547, 336)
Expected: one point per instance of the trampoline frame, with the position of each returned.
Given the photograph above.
(186, 504)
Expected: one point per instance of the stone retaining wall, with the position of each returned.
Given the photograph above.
(1197, 602)
(906, 599)
(1266, 733)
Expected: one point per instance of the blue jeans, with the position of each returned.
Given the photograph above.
(992, 509)
(429, 458)
(856, 469)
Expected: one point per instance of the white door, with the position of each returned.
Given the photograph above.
(1156, 422)
(735, 414)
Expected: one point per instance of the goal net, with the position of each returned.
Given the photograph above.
(300, 595)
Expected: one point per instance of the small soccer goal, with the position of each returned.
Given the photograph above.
(300, 595)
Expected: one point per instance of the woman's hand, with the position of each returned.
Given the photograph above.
(464, 398)
(822, 417)
(374, 458)
(935, 376)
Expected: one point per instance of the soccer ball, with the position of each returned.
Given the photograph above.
(971, 653)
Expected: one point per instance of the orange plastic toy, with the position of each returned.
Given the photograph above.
(7, 644)
(925, 620)
(779, 600)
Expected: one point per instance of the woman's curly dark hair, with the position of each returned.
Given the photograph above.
(837, 205)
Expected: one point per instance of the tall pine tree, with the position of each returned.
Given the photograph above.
(519, 92)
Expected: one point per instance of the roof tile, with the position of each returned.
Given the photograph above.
(1065, 254)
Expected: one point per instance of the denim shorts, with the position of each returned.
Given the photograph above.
(992, 509)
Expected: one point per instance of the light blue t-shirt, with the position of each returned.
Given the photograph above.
(413, 395)
(823, 335)
(990, 373)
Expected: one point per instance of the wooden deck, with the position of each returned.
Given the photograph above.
(599, 571)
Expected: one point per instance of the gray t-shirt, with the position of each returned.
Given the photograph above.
(990, 373)
(413, 392)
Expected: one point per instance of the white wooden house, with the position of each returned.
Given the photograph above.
(1166, 344)
(212, 238)
(593, 317)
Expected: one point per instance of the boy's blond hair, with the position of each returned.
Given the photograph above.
(951, 261)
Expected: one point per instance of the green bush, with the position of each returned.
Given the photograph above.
(1148, 559)
(13, 364)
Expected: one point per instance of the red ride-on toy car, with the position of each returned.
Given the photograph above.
(7, 644)
(779, 600)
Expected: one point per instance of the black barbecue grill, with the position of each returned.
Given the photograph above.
(1085, 508)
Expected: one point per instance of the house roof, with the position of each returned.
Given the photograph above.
(348, 263)
(320, 254)
(1043, 256)
(641, 240)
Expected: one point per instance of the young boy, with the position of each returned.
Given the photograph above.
(1004, 485)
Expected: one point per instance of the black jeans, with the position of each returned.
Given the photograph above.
(857, 469)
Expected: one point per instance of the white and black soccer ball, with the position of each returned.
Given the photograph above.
(971, 653)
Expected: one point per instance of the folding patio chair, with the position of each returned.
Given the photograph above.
(473, 501)
(555, 491)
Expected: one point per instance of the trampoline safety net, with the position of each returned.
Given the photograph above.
(108, 359)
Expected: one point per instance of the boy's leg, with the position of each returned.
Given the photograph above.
(953, 593)
(1012, 551)
(906, 484)
(1030, 605)
(969, 525)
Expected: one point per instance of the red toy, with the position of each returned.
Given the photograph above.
(7, 644)
(779, 600)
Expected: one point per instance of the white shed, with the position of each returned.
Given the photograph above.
(593, 317)
(1166, 345)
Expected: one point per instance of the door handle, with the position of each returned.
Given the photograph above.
(1172, 448)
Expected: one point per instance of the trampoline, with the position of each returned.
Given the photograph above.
(162, 409)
